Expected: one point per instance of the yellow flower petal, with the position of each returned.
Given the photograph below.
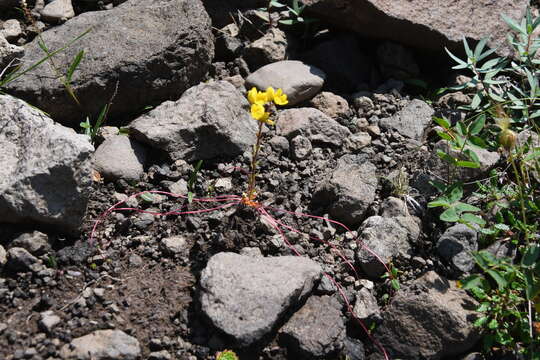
(261, 98)
(270, 94)
(252, 95)
(280, 98)
(257, 111)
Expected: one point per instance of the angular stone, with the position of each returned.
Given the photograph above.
(57, 10)
(102, 345)
(411, 121)
(151, 50)
(456, 245)
(37, 243)
(120, 157)
(45, 173)
(3, 256)
(348, 191)
(20, 260)
(317, 330)
(48, 320)
(331, 104)
(246, 296)
(393, 207)
(300, 147)
(270, 48)
(365, 306)
(424, 24)
(311, 123)
(11, 29)
(174, 244)
(386, 237)
(299, 81)
(210, 120)
(409, 331)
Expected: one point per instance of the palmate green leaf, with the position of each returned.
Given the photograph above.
(450, 215)
(499, 279)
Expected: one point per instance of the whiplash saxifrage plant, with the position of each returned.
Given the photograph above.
(262, 108)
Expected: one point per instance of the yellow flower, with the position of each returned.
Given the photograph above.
(257, 97)
(259, 113)
(270, 94)
(279, 97)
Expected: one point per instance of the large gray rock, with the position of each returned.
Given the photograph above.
(20, 259)
(299, 81)
(456, 245)
(311, 123)
(102, 345)
(120, 157)
(45, 172)
(348, 191)
(430, 319)
(386, 237)
(317, 330)
(424, 23)
(246, 296)
(210, 120)
(153, 50)
(411, 121)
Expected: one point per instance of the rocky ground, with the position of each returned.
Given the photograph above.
(168, 278)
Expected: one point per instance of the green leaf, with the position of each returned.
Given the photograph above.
(444, 136)
(446, 157)
(531, 255)
(502, 227)
(501, 282)
(442, 201)
(456, 193)
(472, 281)
(468, 50)
(471, 218)
(190, 197)
(493, 324)
(477, 99)
(513, 25)
(485, 306)
(74, 64)
(462, 207)
(395, 284)
(287, 22)
(472, 155)
(442, 122)
(84, 125)
(456, 59)
(480, 322)
(276, 4)
(532, 286)
(477, 125)
(449, 215)
(480, 47)
(467, 164)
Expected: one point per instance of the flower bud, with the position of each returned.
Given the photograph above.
(507, 139)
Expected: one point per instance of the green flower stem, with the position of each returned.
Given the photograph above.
(253, 167)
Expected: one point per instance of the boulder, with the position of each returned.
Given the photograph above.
(139, 53)
(348, 190)
(210, 120)
(120, 157)
(386, 237)
(298, 80)
(311, 123)
(45, 169)
(246, 296)
(102, 345)
(317, 330)
(430, 319)
(423, 23)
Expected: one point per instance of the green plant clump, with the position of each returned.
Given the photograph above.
(503, 116)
